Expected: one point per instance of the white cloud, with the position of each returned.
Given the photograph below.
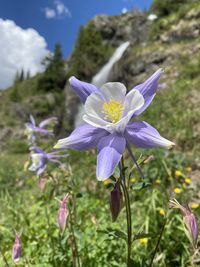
(49, 13)
(19, 49)
(58, 11)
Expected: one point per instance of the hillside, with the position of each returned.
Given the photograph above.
(171, 41)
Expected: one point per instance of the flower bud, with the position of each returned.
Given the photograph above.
(42, 183)
(63, 213)
(189, 221)
(16, 251)
(115, 201)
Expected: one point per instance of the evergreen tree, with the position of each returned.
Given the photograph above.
(19, 77)
(54, 77)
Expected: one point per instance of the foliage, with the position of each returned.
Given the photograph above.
(54, 77)
(98, 239)
(90, 53)
(166, 7)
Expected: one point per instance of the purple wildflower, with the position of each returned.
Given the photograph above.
(115, 201)
(189, 221)
(63, 213)
(108, 111)
(40, 159)
(16, 251)
(32, 128)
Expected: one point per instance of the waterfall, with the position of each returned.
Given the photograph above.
(103, 76)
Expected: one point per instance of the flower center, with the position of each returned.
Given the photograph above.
(113, 110)
(36, 158)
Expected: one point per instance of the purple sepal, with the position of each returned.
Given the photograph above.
(110, 150)
(82, 138)
(82, 89)
(143, 135)
(148, 90)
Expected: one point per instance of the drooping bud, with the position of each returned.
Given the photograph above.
(63, 213)
(42, 183)
(189, 221)
(16, 251)
(115, 201)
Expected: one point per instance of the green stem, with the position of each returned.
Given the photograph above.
(75, 253)
(135, 161)
(128, 212)
(158, 242)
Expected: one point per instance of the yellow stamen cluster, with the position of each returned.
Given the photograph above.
(113, 110)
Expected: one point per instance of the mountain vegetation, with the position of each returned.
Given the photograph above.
(170, 41)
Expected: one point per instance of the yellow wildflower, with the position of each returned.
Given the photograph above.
(170, 178)
(143, 241)
(178, 173)
(177, 190)
(187, 180)
(194, 205)
(133, 180)
(108, 182)
(185, 186)
(188, 169)
(158, 181)
(162, 212)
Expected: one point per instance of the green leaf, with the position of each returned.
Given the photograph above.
(140, 185)
(133, 263)
(114, 232)
(142, 235)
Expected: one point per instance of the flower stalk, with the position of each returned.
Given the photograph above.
(158, 242)
(128, 212)
(135, 161)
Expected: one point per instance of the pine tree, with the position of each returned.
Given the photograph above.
(54, 77)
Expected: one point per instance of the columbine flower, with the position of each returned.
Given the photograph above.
(115, 201)
(108, 111)
(32, 128)
(40, 159)
(189, 221)
(63, 213)
(16, 251)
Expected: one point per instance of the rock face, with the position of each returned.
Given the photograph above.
(131, 27)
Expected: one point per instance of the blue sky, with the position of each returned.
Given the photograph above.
(62, 28)
(29, 29)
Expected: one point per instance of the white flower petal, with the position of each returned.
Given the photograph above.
(133, 101)
(94, 105)
(95, 121)
(114, 91)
